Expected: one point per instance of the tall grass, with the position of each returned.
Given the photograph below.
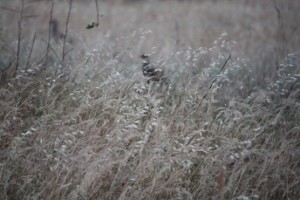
(95, 129)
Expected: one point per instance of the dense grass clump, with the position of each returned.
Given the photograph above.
(224, 124)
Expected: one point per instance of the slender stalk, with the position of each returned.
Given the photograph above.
(212, 83)
(97, 8)
(278, 36)
(177, 34)
(49, 32)
(19, 37)
(30, 51)
(66, 32)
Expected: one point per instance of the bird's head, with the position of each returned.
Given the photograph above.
(145, 56)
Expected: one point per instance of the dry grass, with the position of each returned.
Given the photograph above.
(92, 128)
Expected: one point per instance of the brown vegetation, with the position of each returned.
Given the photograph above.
(79, 121)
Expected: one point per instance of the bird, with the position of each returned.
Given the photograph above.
(149, 70)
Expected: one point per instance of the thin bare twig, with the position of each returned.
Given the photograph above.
(30, 51)
(52, 50)
(221, 183)
(66, 32)
(49, 31)
(97, 8)
(177, 33)
(8, 9)
(19, 37)
(212, 83)
(278, 12)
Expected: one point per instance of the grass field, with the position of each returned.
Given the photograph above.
(78, 120)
